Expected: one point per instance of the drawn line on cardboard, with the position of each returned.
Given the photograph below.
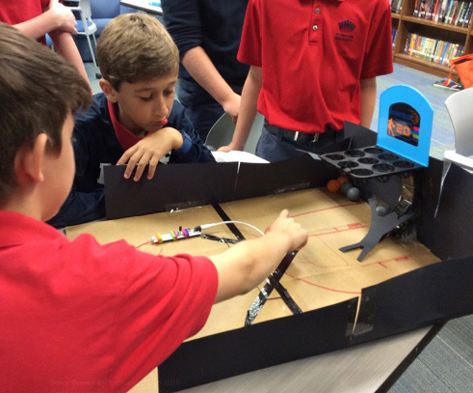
(397, 259)
(347, 227)
(382, 263)
(337, 254)
(309, 262)
(326, 208)
(322, 287)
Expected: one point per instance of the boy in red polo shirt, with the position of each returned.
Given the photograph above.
(313, 66)
(78, 316)
(39, 17)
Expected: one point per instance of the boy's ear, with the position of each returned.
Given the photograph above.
(108, 90)
(29, 161)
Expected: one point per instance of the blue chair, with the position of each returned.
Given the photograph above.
(101, 13)
(86, 27)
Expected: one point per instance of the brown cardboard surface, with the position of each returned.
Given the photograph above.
(138, 230)
(148, 384)
(319, 276)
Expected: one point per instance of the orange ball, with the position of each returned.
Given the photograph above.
(333, 185)
(342, 179)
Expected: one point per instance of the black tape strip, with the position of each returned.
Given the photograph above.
(219, 239)
(225, 217)
(273, 280)
(263, 296)
(285, 296)
(281, 269)
(258, 304)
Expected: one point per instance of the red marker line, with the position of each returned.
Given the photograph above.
(382, 263)
(349, 227)
(322, 287)
(326, 208)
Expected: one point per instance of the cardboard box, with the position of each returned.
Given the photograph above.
(399, 286)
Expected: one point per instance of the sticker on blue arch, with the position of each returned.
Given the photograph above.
(405, 123)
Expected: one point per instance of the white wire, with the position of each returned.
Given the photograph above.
(206, 226)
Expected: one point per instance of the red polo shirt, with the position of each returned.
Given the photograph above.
(125, 137)
(313, 54)
(77, 316)
(18, 11)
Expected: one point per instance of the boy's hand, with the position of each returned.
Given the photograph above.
(290, 230)
(230, 147)
(150, 150)
(65, 19)
(232, 106)
(243, 266)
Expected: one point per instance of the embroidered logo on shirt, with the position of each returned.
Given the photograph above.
(346, 27)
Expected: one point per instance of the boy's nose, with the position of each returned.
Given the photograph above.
(161, 110)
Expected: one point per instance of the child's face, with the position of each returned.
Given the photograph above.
(144, 105)
(59, 171)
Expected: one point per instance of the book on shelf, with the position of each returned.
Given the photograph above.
(458, 14)
(416, 8)
(462, 18)
(438, 51)
(422, 8)
(443, 11)
(451, 12)
(429, 7)
(448, 18)
(468, 13)
(393, 37)
(431, 50)
(396, 6)
(436, 9)
(443, 53)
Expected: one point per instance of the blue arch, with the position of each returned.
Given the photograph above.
(417, 149)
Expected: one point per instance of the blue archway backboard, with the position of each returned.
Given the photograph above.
(405, 123)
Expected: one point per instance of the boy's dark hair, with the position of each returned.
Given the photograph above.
(38, 88)
(136, 47)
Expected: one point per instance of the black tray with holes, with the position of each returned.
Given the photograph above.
(371, 161)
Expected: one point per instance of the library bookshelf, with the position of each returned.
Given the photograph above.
(407, 25)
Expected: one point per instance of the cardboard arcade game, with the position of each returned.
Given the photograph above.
(387, 174)
(421, 275)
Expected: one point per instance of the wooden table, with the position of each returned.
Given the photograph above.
(370, 367)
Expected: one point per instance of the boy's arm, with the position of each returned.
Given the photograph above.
(249, 101)
(56, 17)
(247, 264)
(67, 48)
(183, 21)
(196, 150)
(368, 101)
(149, 151)
(201, 68)
(183, 142)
